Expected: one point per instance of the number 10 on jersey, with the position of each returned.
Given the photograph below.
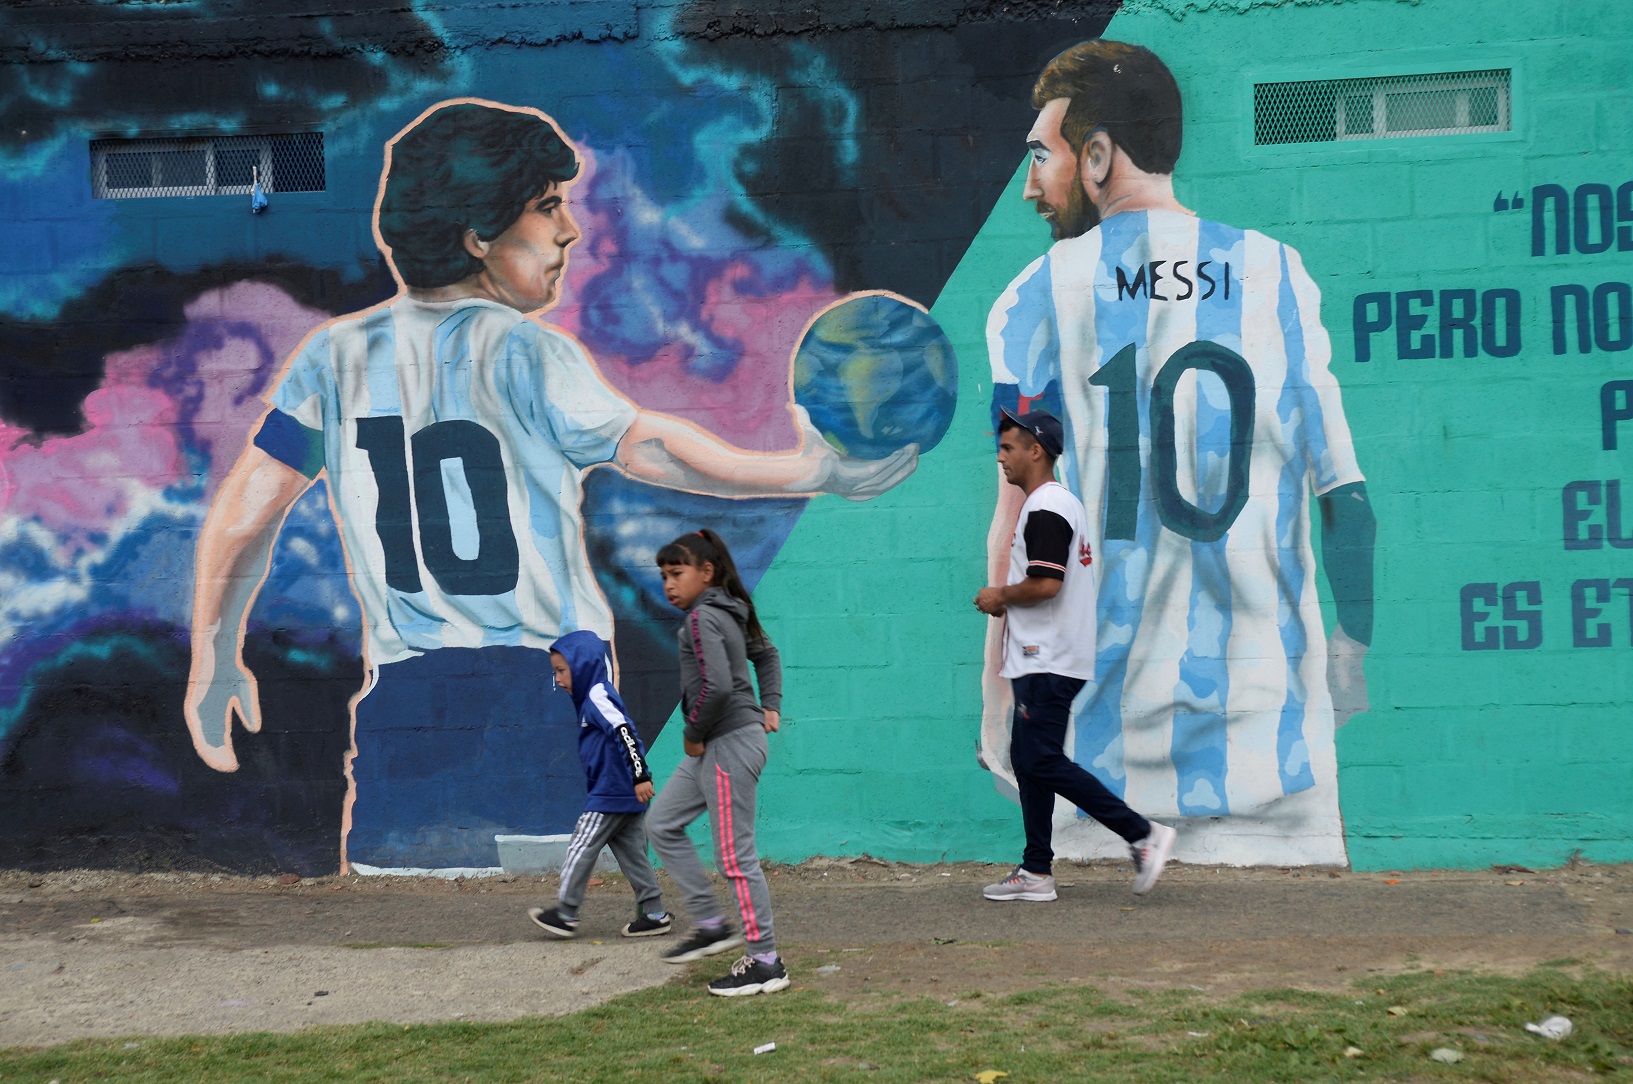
(494, 568)
(1124, 464)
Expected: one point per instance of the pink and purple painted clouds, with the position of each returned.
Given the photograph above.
(683, 313)
(164, 412)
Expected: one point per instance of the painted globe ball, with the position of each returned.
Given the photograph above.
(876, 373)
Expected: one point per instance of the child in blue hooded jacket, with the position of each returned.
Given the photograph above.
(619, 785)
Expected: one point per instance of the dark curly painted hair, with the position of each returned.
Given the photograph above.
(464, 167)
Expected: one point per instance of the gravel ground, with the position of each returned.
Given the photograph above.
(93, 953)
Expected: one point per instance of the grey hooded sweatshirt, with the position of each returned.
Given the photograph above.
(716, 697)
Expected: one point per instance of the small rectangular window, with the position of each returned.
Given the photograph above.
(1389, 107)
(207, 166)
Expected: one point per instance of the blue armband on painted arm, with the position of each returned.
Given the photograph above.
(291, 443)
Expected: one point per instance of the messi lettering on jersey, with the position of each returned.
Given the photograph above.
(1188, 284)
(1189, 365)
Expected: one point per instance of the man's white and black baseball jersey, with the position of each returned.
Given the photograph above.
(1055, 636)
(455, 435)
(1191, 370)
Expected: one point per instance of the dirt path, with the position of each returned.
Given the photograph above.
(99, 954)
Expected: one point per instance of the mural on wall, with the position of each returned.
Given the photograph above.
(454, 433)
(765, 202)
(738, 293)
(1188, 361)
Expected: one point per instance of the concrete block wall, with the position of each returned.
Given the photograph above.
(1468, 755)
(743, 170)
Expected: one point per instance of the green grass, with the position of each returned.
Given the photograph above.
(677, 1034)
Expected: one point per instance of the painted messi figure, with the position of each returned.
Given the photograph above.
(1189, 364)
(454, 431)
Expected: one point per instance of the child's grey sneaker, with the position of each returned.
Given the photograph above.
(750, 976)
(649, 926)
(1150, 855)
(703, 941)
(1022, 885)
(553, 922)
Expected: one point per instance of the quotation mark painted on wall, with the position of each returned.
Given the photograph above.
(1503, 203)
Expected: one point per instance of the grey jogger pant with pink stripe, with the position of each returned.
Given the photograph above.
(723, 782)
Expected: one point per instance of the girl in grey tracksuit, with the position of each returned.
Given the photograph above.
(726, 728)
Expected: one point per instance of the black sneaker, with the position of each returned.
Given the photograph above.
(552, 922)
(749, 976)
(702, 942)
(649, 926)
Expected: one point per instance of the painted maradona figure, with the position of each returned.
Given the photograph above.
(454, 431)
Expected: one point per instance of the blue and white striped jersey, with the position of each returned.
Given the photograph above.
(1188, 363)
(454, 435)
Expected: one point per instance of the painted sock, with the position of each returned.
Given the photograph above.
(767, 958)
(657, 916)
(566, 916)
(710, 923)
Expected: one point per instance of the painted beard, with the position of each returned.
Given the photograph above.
(1078, 217)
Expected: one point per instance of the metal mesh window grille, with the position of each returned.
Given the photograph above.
(206, 166)
(1391, 107)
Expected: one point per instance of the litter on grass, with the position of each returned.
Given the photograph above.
(1555, 1027)
(1353, 1051)
(765, 1048)
(827, 969)
(1445, 1055)
(990, 1076)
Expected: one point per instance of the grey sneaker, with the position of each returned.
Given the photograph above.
(1150, 855)
(1022, 885)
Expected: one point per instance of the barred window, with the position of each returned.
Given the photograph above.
(207, 166)
(1390, 107)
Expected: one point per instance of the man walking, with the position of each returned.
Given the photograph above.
(1048, 655)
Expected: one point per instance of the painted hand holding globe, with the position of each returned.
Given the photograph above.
(847, 476)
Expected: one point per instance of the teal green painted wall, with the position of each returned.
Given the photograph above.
(1467, 757)
(882, 647)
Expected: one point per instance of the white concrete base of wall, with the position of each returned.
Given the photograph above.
(543, 854)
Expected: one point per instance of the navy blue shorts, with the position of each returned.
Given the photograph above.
(457, 746)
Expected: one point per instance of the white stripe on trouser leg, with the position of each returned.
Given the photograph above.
(588, 825)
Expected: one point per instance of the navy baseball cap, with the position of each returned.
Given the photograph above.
(1043, 426)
